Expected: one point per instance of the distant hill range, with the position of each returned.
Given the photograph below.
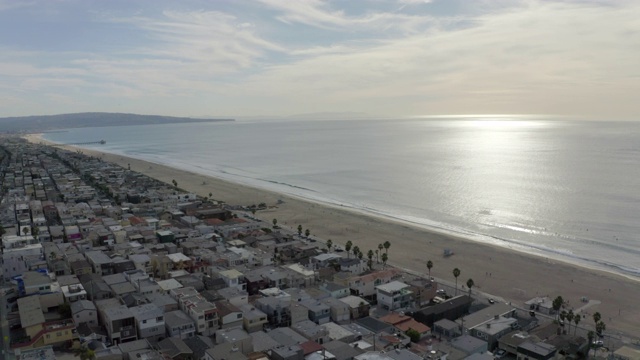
(30, 124)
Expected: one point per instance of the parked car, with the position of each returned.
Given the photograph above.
(598, 343)
(500, 354)
(491, 301)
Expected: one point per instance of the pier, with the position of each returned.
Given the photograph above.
(101, 142)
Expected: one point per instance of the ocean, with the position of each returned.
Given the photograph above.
(567, 190)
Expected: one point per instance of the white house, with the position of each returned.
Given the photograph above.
(394, 295)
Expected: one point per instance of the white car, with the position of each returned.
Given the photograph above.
(500, 354)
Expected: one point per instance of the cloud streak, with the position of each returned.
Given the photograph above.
(279, 58)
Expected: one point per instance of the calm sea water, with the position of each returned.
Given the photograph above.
(560, 189)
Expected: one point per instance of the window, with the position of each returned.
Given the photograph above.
(144, 321)
(239, 316)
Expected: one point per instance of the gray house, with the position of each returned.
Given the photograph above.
(149, 320)
(179, 324)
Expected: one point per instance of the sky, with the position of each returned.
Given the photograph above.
(276, 58)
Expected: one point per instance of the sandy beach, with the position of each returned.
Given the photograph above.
(514, 276)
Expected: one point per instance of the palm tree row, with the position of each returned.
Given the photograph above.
(456, 274)
(570, 316)
(350, 248)
(306, 232)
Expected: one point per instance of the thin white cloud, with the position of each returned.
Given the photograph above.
(211, 36)
(529, 56)
(549, 57)
(14, 4)
(319, 14)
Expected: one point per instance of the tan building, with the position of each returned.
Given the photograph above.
(39, 332)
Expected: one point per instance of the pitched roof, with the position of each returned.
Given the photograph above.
(82, 305)
(199, 345)
(174, 346)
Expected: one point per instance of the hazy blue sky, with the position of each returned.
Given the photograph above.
(382, 57)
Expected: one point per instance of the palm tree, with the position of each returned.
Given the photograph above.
(360, 254)
(576, 320)
(275, 222)
(456, 273)
(380, 247)
(307, 233)
(386, 245)
(370, 255)
(429, 266)
(470, 284)
(563, 315)
(347, 247)
(596, 317)
(590, 336)
(557, 304)
(329, 244)
(569, 317)
(299, 230)
(355, 250)
(370, 264)
(600, 327)
(385, 257)
(210, 195)
(377, 256)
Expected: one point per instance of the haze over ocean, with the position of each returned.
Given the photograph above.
(557, 188)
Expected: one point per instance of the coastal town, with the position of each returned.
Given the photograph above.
(102, 262)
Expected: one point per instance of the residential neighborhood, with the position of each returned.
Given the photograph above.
(102, 261)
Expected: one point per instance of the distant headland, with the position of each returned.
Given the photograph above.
(43, 123)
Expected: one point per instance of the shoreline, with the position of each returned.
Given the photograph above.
(541, 252)
(514, 275)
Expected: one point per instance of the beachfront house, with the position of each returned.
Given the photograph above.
(365, 285)
(394, 295)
